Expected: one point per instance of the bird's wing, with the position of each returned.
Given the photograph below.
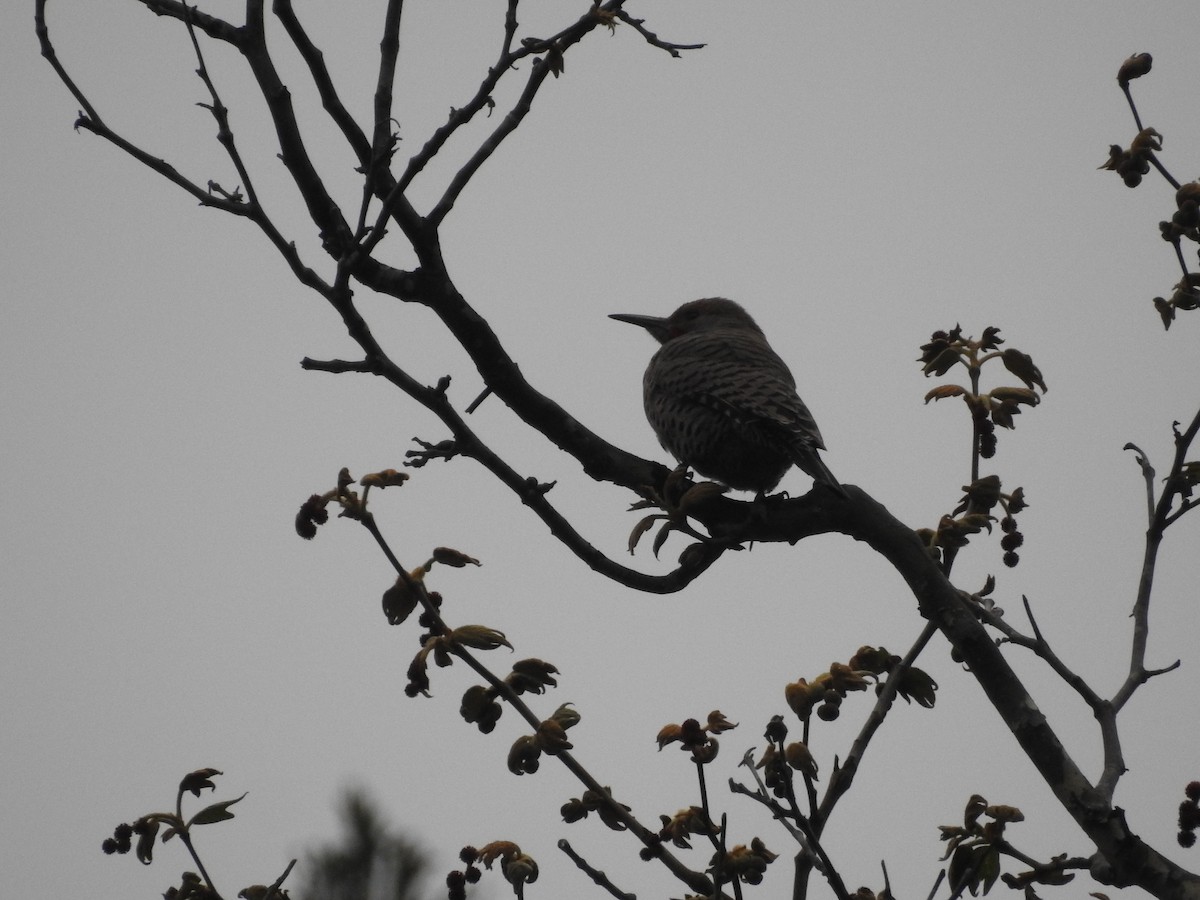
(764, 407)
(748, 382)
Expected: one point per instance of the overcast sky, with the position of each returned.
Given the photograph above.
(857, 175)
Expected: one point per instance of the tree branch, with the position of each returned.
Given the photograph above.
(330, 101)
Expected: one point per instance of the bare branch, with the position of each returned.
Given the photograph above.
(653, 39)
(337, 366)
(506, 127)
(1160, 519)
(510, 27)
(330, 100)
(335, 232)
(1147, 474)
(593, 873)
(215, 28)
(389, 52)
(220, 113)
(89, 120)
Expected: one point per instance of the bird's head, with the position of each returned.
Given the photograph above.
(709, 314)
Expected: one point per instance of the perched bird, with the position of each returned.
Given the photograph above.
(723, 402)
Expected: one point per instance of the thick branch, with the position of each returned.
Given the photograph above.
(1125, 858)
(321, 207)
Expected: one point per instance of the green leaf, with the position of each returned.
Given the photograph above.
(218, 812)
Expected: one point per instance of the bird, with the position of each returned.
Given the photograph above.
(723, 402)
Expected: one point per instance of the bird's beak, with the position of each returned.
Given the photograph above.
(656, 325)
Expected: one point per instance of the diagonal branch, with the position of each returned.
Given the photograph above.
(221, 114)
(330, 101)
(843, 776)
(322, 209)
(1124, 859)
(695, 880)
(541, 68)
(696, 560)
(1160, 519)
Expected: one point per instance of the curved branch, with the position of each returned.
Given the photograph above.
(90, 120)
(696, 559)
(653, 39)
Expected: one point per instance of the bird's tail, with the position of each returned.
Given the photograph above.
(810, 462)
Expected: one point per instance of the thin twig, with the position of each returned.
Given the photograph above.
(221, 114)
(937, 883)
(1147, 475)
(762, 796)
(1137, 120)
(843, 777)
(695, 880)
(508, 124)
(593, 873)
(653, 39)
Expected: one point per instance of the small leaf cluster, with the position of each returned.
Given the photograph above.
(692, 737)
(517, 867)
(974, 513)
(679, 498)
(1132, 163)
(826, 692)
(1189, 815)
(148, 828)
(443, 644)
(780, 759)
(480, 704)
(314, 511)
(686, 823)
(524, 757)
(746, 863)
(602, 804)
(989, 409)
(974, 848)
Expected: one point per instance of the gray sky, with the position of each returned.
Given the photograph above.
(856, 174)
